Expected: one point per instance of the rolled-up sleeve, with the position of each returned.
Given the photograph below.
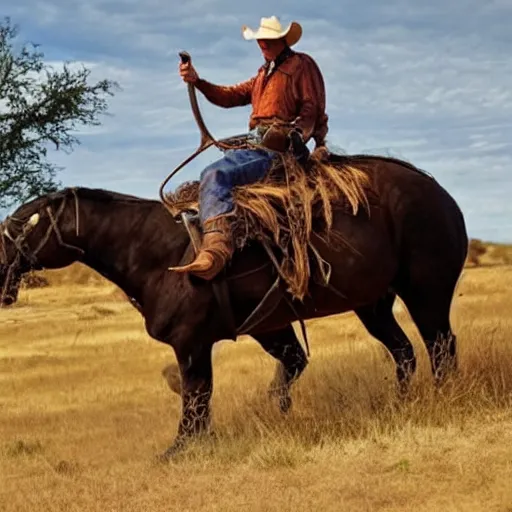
(227, 96)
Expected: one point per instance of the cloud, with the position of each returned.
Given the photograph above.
(428, 82)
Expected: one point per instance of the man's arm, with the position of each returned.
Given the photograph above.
(311, 89)
(227, 96)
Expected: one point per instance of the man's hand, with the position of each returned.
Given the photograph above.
(297, 145)
(276, 138)
(188, 73)
(320, 153)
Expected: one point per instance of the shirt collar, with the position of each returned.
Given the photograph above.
(271, 66)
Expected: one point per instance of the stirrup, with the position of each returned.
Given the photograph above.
(190, 219)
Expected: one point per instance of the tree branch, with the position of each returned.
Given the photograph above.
(41, 106)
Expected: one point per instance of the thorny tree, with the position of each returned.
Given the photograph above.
(40, 108)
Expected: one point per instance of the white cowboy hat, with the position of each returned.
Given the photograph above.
(271, 28)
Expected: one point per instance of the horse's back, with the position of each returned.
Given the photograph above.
(424, 218)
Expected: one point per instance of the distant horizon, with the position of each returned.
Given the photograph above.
(428, 83)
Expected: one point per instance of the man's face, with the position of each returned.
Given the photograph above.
(271, 48)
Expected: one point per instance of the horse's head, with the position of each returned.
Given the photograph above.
(32, 239)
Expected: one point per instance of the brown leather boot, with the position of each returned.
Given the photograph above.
(216, 250)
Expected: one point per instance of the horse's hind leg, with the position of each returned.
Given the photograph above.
(429, 307)
(285, 347)
(433, 251)
(380, 322)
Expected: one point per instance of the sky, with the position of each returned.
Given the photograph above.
(430, 82)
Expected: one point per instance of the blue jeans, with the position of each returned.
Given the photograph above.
(237, 167)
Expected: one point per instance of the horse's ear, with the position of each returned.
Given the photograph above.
(34, 219)
(31, 223)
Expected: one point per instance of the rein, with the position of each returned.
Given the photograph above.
(20, 243)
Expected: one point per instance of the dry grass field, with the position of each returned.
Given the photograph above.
(84, 409)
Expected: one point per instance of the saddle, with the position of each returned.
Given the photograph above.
(284, 209)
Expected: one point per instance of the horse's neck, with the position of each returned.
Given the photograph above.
(131, 243)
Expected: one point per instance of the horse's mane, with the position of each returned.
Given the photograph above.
(358, 159)
(76, 193)
(103, 195)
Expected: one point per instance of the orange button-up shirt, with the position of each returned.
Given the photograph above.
(295, 89)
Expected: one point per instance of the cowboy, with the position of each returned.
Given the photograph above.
(288, 109)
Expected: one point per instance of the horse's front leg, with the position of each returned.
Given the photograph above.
(285, 347)
(196, 390)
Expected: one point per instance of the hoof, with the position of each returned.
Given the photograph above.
(403, 390)
(285, 403)
(445, 377)
(280, 392)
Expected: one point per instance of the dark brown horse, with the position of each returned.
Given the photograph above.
(413, 244)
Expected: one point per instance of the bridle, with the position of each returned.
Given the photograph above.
(20, 241)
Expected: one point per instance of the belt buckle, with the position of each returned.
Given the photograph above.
(257, 134)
